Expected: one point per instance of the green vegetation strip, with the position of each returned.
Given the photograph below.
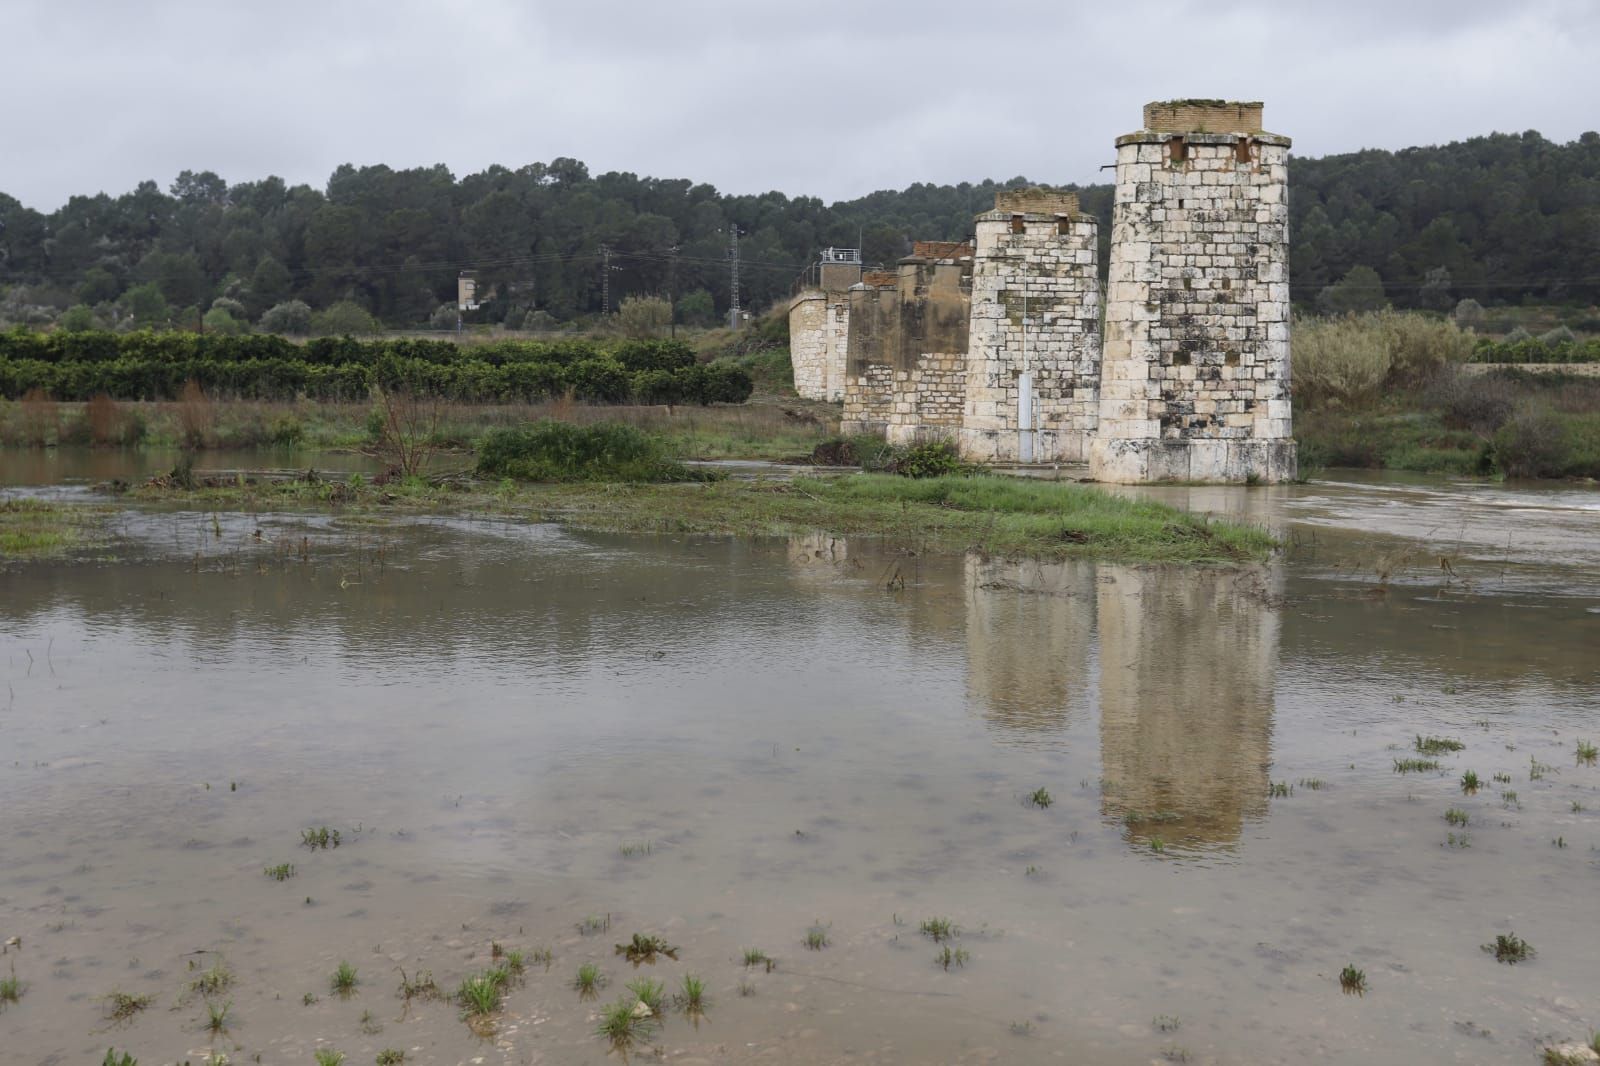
(33, 527)
(988, 513)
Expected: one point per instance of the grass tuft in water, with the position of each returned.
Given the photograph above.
(746, 989)
(1457, 840)
(1277, 789)
(645, 947)
(947, 957)
(1415, 766)
(281, 872)
(1587, 753)
(479, 995)
(329, 1057)
(1469, 783)
(594, 924)
(816, 937)
(390, 1056)
(320, 837)
(344, 979)
(1041, 798)
(1502, 778)
(113, 1059)
(1456, 816)
(420, 987)
(1438, 745)
(652, 994)
(213, 981)
(939, 929)
(757, 957)
(1510, 949)
(630, 850)
(217, 1015)
(121, 1007)
(589, 980)
(538, 956)
(693, 997)
(1167, 1023)
(624, 1026)
(1353, 982)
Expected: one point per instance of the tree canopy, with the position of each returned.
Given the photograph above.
(1506, 218)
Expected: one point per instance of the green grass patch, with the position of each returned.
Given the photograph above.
(982, 512)
(560, 452)
(33, 527)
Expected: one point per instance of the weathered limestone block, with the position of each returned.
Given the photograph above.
(1197, 321)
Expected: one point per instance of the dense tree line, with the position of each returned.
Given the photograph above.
(1507, 218)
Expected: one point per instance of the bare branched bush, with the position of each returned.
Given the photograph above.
(104, 419)
(39, 419)
(197, 416)
(1480, 403)
(1533, 443)
(410, 424)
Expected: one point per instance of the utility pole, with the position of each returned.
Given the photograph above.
(672, 292)
(605, 279)
(733, 282)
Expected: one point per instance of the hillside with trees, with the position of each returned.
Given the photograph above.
(1507, 219)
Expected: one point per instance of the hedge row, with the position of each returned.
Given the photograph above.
(1535, 351)
(93, 347)
(597, 380)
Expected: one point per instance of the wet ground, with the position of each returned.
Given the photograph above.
(729, 743)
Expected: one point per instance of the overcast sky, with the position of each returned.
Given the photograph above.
(818, 98)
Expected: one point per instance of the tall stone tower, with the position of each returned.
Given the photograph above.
(1195, 380)
(1033, 366)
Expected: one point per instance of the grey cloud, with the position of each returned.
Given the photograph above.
(828, 99)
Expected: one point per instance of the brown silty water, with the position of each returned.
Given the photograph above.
(728, 742)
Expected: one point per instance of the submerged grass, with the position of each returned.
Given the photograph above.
(589, 980)
(479, 995)
(645, 947)
(120, 1006)
(625, 1026)
(33, 527)
(1510, 948)
(1438, 745)
(982, 512)
(344, 979)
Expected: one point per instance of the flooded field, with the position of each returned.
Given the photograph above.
(1164, 809)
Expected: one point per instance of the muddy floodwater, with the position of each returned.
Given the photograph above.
(731, 743)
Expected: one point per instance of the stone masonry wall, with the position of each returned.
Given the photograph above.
(808, 344)
(1195, 383)
(1035, 306)
(907, 350)
(836, 345)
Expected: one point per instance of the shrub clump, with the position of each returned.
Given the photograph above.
(559, 451)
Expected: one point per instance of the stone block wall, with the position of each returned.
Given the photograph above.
(808, 343)
(907, 347)
(819, 331)
(1195, 380)
(1036, 307)
(835, 344)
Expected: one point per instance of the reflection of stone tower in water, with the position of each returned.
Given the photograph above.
(1030, 628)
(1187, 669)
(1195, 373)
